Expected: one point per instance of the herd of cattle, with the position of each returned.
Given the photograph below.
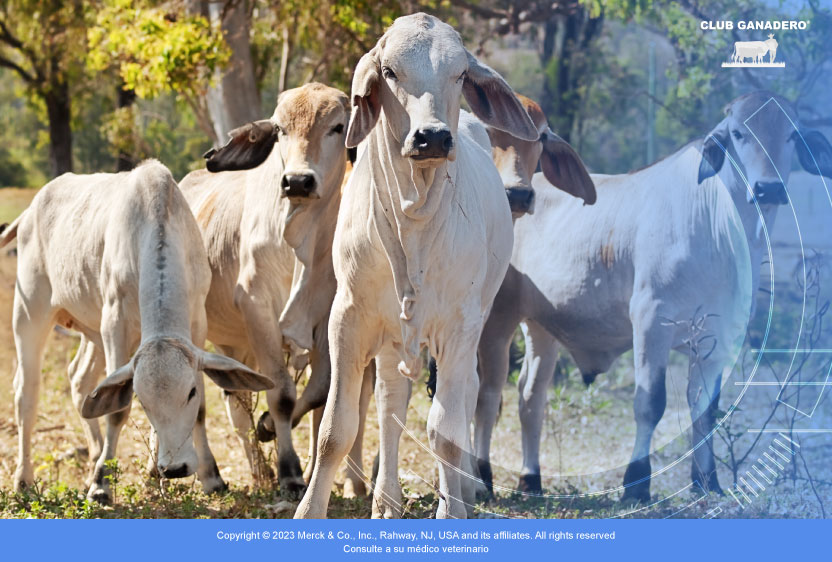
(279, 262)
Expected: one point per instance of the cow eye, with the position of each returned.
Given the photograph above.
(192, 394)
(388, 73)
(461, 77)
(337, 129)
(279, 130)
(737, 134)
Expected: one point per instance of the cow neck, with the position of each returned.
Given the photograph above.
(408, 213)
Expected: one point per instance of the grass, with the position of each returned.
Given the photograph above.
(587, 440)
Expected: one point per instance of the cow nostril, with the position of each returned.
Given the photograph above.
(448, 142)
(298, 185)
(420, 140)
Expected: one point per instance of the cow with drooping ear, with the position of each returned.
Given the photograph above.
(133, 280)
(517, 160)
(267, 207)
(681, 239)
(422, 242)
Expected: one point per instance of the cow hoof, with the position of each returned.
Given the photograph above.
(215, 486)
(100, 496)
(292, 488)
(354, 488)
(530, 484)
(265, 428)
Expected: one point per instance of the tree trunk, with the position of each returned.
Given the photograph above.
(566, 40)
(125, 98)
(235, 100)
(58, 110)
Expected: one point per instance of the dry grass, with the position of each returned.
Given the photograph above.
(587, 441)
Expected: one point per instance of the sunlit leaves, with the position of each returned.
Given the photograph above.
(155, 51)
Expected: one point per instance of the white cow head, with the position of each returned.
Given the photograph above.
(517, 160)
(760, 138)
(302, 149)
(165, 374)
(416, 74)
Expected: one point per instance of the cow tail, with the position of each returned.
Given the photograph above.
(8, 232)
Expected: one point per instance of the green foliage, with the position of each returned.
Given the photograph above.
(155, 52)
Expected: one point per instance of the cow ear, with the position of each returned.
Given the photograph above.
(112, 395)
(814, 152)
(229, 374)
(249, 147)
(564, 169)
(366, 98)
(493, 101)
(713, 151)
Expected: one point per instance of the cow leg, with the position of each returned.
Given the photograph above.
(651, 347)
(314, 395)
(470, 481)
(207, 469)
(354, 485)
(117, 353)
(32, 322)
(84, 371)
(493, 372)
(535, 379)
(238, 406)
(392, 395)
(704, 385)
(339, 426)
(266, 343)
(448, 424)
(314, 431)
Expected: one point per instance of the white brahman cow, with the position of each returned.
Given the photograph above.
(267, 208)
(663, 244)
(421, 245)
(119, 258)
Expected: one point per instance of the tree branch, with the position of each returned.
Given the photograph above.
(4, 62)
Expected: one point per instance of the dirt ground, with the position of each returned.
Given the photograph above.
(588, 435)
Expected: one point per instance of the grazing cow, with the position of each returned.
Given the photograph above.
(662, 244)
(267, 209)
(421, 245)
(118, 257)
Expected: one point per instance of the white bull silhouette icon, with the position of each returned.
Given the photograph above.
(755, 50)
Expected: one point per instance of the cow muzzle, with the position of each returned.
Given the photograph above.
(520, 200)
(435, 143)
(299, 185)
(770, 193)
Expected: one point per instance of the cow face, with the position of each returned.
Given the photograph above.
(416, 74)
(311, 122)
(517, 159)
(308, 127)
(759, 136)
(164, 373)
